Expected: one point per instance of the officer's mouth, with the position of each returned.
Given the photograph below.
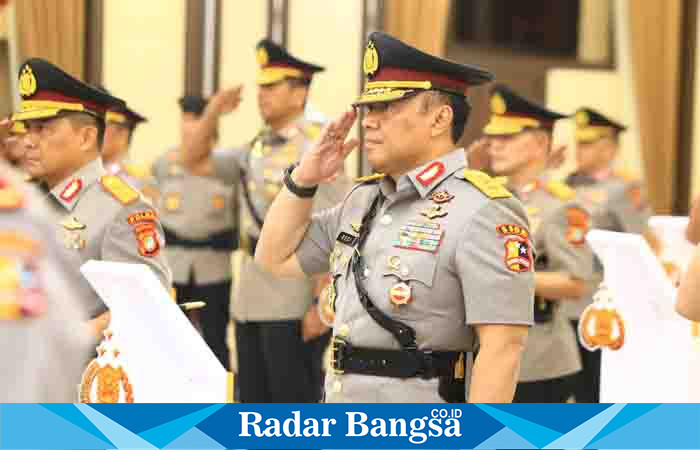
(372, 143)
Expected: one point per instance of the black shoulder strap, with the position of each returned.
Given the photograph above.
(246, 193)
(405, 335)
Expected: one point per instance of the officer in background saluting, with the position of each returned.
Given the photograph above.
(429, 260)
(100, 216)
(277, 327)
(519, 139)
(198, 215)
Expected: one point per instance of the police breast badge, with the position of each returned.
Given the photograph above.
(105, 380)
(601, 325)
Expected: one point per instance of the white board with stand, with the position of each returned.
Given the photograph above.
(671, 232)
(165, 357)
(656, 362)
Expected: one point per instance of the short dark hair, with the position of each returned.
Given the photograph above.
(460, 111)
(88, 120)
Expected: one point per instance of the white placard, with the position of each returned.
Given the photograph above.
(671, 232)
(166, 358)
(658, 362)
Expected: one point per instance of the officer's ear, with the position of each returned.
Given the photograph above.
(87, 130)
(442, 114)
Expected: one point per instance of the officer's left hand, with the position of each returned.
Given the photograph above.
(326, 159)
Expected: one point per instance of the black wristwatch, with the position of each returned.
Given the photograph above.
(302, 192)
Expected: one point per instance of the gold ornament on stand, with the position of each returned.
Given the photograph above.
(601, 325)
(105, 379)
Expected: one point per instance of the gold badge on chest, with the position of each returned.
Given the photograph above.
(218, 202)
(434, 211)
(172, 201)
(400, 294)
(72, 233)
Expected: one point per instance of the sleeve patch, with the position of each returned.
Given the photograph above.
(560, 190)
(518, 248)
(635, 194)
(578, 222)
(142, 216)
(147, 239)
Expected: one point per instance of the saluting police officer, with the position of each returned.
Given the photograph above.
(616, 201)
(276, 324)
(42, 306)
(429, 260)
(519, 137)
(198, 215)
(101, 216)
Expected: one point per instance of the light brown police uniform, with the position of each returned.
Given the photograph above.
(137, 175)
(456, 239)
(195, 208)
(559, 226)
(42, 308)
(617, 202)
(260, 296)
(105, 219)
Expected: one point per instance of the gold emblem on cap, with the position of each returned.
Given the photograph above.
(498, 104)
(27, 82)
(262, 57)
(370, 63)
(582, 118)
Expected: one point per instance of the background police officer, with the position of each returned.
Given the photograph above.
(99, 216)
(199, 219)
(519, 136)
(276, 325)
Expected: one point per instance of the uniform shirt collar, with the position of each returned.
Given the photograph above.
(285, 134)
(69, 191)
(428, 176)
(525, 191)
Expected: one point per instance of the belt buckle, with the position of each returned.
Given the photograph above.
(339, 345)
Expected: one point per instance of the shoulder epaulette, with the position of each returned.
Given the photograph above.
(626, 175)
(491, 187)
(119, 189)
(560, 190)
(139, 171)
(312, 130)
(369, 178)
(10, 197)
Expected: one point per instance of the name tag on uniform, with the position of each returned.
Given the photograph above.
(420, 236)
(346, 238)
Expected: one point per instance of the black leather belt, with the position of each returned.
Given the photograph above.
(223, 240)
(347, 358)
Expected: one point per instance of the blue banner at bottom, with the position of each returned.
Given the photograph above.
(291, 426)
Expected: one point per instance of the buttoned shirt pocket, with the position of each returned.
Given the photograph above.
(410, 266)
